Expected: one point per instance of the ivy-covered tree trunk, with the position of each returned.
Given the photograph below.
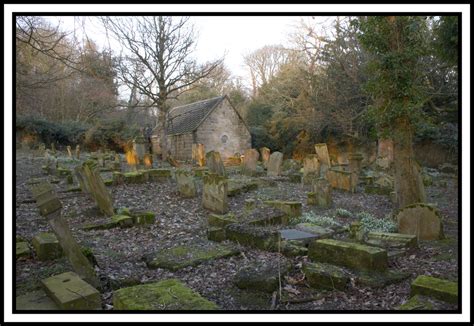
(408, 182)
(162, 134)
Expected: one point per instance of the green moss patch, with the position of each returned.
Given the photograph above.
(261, 276)
(46, 246)
(437, 288)
(165, 295)
(380, 279)
(22, 250)
(325, 276)
(253, 236)
(417, 302)
(221, 220)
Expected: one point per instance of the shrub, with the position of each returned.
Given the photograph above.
(324, 221)
(370, 223)
(341, 212)
(112, 134)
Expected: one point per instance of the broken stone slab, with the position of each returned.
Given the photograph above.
(392, 240)
(380, 279)
(178, 257)
(297, 235)
(214, 194)
(417, 302)
(274, 165)
(325, 276)
(22, 250)
(261, 275)
(437, 288)
(143, 217)
(291, 208)
(348, 254)
(70, 292)
(421, 220)
(265, 216)
(169, 294)
(317, 230)
(253, 236)
(216, 234)
(215, 164)
(236, 186)
(186, 183)
(46, 199)
(46, 246)
(221, 220)
(36, 300)
(122, 221)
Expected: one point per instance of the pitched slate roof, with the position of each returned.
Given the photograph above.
(187, 118)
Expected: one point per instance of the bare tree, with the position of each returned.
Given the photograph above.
(162, 47)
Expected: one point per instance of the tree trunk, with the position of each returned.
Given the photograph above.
(162, 126)
(408, 182)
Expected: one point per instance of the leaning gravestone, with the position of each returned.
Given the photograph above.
(310, 168)
(186, 183)
(265, 152)
(214, 193)
(274, 164)
(421, 220)
(214, 163)
(50, 207)
(91, 182)
(323, 154)
(249, 163)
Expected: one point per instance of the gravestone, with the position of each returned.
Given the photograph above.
(265, 154)
(311, 168)
(50, 207)
(421, 220)
(355, 160)
(200, 155)
(214, 163)
(249, 163)
(344, 180)
(69, 153)
(186, 183)
(322, 192)
(274, 166)
(297, 235)
(91, 182)
(323, 154)
(139, 148)
(78, 152)
(214, 193)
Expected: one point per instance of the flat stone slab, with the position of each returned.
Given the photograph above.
(437, 288)
(218, 220)
(417, 302)
(70, 292)
(381, 279)
(115, 221)
(179, 257)
(253, 236)
(46, 246)
(319, 231)
(348, 254)
(236, 186)
(291, 208)
(164, 295)
(22, 250)
(392, 240)
(261, 276)
(37, 300)
(265, 216)
(325, 276)
(297, 235)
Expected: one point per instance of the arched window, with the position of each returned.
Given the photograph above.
(224, 139)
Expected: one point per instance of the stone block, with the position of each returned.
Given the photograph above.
(311, 168)
(392, 240)
(274, 166)
(325, 276)
(297, 236)
(46, 246)
(261, 276)
(169, 294)
(36, 300)
(293, 249)
(380, 279)
(421, 220)
(22, 250)
(340, 179)
(253, 236)
(249, 163)
(265, 155)
(323, 154)
(323, 192)
(216, 234)
(215, 164)
(214, 194)
(290, 208)
(70, 292)
(236, 186)
(158, 175)
(317, 230)
(186, 184)
(434, 287)
(347, 254)
(221, 220)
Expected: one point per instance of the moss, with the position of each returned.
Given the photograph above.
(291, 208)
(124, 211)
(381, 279)
(261, 276)
(46, 246)
(122, 220)
(164, 295)
(325, 276)
(86, 251)
(109, 182)
(143, 217)
(440, 289)
(416, 302)
(216, 234)
(22, 250)
(36, 300)
(291, 249)
(257, 237)
(221, 220)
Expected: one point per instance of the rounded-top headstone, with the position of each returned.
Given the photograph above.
(421, 220)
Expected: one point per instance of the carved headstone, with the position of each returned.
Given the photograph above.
(50, 207)
(274, 164)
(214, 194)
(249, 163)
(91, 182)
(421, 220)
(323, 154)
(265, 152)
(311, 168)
(214, 163)
(186, 183)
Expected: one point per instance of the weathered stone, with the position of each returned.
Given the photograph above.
(323, 192)
(274, 165)
(169, 294)
(22, 250)
(214, 163)
(261, 275)
(253, 236)
(293, 249)
(115, 221)
(186, 183)
(143, 217)
(392, 240)
(46, 199)
(221, 220)
(297, 236)
(323, 154)
(200, 171)
(237, 186)
(188, 255)
(312, 199)
(158, 174)
(139, 148)
(290, 208)
(46, 246)
(378, 279)
(417, 302)
(316, 230)
(440, 289)
(421, 220)
(216, 234)
(249, 163)
(214, 194)
(265, 155)
(135, 177)
(36, 300)
(78, 152)
(70, 292)
(355, 160)
(351, 255)
(311, 168)
(265, 216)
(325, 276)
(340, 179)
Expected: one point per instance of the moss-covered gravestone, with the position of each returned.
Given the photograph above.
(186, 183)
(311, 168)
(91, 182)
(265, 155)
(214, 193)
(274, 166)
(22, 250)
(253, 236)
(47, 246)
(325, 276)
(437, 288)
(249, 163)
(322, 193)
(169, 294)
(421, 220)
(214, 163)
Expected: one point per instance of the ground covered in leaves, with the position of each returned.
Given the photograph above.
(119, 252)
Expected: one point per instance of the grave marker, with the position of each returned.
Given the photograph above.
(214, 194)
(274, 166)
(214, 163)
(186, 183)
(249, 163)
